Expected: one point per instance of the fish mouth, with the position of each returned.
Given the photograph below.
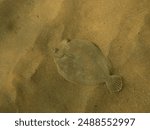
(68, 40)
(57, 53)
(61, 50)
(55, 50)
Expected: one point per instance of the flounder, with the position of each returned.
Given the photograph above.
(82, 62)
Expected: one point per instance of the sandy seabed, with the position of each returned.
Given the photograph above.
(29, 80)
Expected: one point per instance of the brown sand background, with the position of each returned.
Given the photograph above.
(29, 81)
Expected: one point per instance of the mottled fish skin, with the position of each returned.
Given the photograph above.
(82, 62)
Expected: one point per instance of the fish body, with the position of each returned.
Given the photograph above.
(82, 62)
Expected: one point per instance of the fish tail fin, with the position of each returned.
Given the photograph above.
(114, 84)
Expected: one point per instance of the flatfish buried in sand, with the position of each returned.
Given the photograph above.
(82, 62)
